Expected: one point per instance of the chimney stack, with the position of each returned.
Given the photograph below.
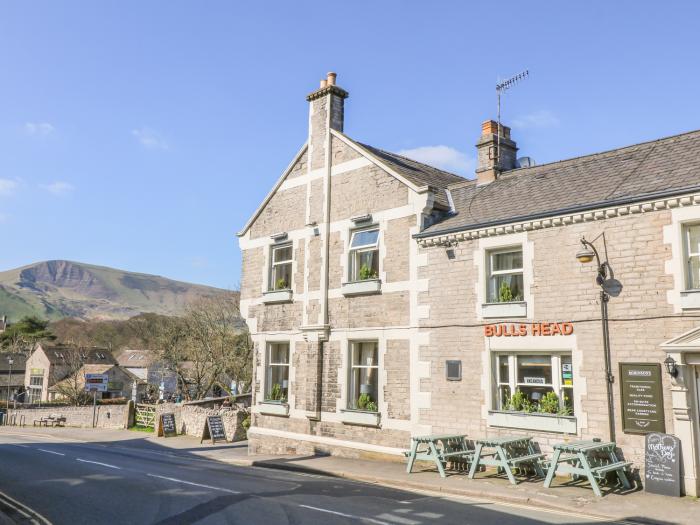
(489, 166)
(326, 112)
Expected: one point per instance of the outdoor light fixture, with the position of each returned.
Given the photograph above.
(671, 366)
(609, 286)
(585, 255)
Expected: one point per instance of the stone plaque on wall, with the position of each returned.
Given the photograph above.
(662, 464)
(642, 398)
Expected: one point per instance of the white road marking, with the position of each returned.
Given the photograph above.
(18, 445)
(195, 484)
(351, 516)
(51, 452)
(98, 463)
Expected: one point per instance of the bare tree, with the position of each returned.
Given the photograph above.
(69, 378)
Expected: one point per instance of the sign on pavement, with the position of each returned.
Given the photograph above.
(214, 430)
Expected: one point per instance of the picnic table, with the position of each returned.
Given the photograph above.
(506, 453)
(439, 448)
(593, 459)
(56, 420)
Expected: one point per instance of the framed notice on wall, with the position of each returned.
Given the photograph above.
(642, 398)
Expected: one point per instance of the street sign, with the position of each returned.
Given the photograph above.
(96, 382)
(642, 398)
(214, 430)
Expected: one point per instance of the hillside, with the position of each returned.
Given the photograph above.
(58, 289)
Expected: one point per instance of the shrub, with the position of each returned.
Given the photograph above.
(519, 402)
(367, 273)
(549, 403)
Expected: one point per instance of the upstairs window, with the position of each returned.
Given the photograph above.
(505, 275)
(281, 267)
(692, 256)
(364, 255)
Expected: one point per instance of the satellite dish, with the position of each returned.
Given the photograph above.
(525, 162)
(612, 287)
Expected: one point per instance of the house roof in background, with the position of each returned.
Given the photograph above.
(663, 167)
(19, 362)
(135, 358)
(62, 354)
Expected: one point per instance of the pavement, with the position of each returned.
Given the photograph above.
(178, 480)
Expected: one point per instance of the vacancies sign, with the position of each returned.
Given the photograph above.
(642, 398)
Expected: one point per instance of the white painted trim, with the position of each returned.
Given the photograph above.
(678, 296)
(370, 286)
(273, 409)
(532, 421)
(356, 445)
(361, 418)
(504, 310)
(362, 151)
(277, 296)
(273, 190)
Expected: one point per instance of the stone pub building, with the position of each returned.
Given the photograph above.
(387, 298)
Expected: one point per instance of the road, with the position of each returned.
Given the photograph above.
(124, 482)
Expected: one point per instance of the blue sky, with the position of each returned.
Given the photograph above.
(142, 135)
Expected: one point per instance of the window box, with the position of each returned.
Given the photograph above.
(361, 417)
(532, 421)
(278, 296)
(500, 310)
(272, 408)
(366, 287)
(690, 300)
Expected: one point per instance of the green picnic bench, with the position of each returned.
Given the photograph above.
(507, 453)
(592, 459)
(441, 449)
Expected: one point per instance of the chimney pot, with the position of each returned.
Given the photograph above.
(323, 84)
(330, 80)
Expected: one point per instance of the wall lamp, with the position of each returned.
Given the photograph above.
(671, 366)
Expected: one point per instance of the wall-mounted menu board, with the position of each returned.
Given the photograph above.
(642, 398)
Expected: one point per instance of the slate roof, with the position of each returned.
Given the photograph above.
(59, 354)
(19, 362)
(663, 167)
(416, 172)
(135, 358)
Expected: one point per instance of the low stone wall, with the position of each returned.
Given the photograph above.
(190, 419)
(108, 416)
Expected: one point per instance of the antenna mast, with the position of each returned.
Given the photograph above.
(502, 87)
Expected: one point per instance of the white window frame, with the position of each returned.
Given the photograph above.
(687, 254)
(355, 252)
(352, 346)
(556, 385)
(490, 273)
(269, 368)
(272, 284)
(34, 391)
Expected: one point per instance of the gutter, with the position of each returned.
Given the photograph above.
(553, 213)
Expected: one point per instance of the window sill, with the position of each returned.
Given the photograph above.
(530, 421)
(690, 300)
(274, 408)
(366, 287)
(278, 296)
(361, 417)
(514, 309)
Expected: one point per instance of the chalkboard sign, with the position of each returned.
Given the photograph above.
(214, 430)
(167, 425)
(662, 464)
(642, 398)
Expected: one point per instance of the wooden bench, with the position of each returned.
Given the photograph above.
(55, 420)
(602, 471)
(441, 449)
(507, 452)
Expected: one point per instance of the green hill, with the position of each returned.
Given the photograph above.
(58, 289)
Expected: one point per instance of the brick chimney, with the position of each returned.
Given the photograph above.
(487, 169)
(326, 110)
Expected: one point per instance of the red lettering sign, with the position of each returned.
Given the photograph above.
(521, 330)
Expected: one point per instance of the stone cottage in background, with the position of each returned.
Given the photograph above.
(387, 298)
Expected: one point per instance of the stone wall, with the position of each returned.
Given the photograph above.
(190, 420)
(108, 416)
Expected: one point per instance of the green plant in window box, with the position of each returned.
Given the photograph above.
(363, 400)
(367, 273)
(371, 407)
(519, 402)
(549, 403)
(281, 284)
(276, 393)
(505, 295)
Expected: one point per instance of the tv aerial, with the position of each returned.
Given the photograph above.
(502, 87)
